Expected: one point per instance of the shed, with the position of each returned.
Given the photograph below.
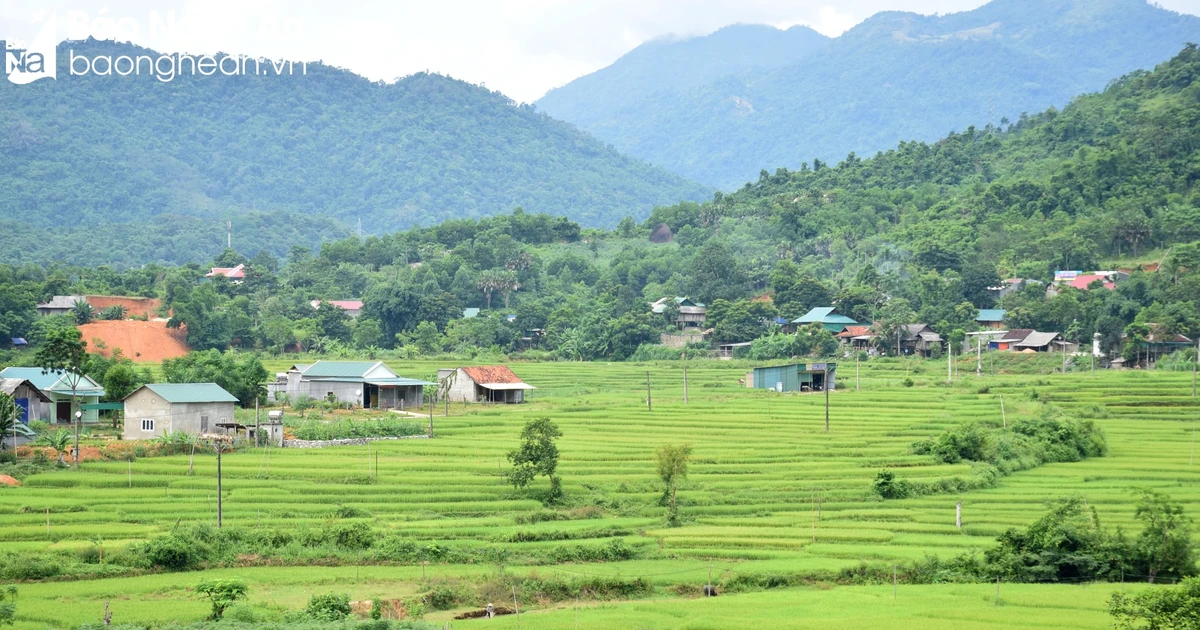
(482, 383)
(156, 409)
(794, 377)
(56, 386)
(28, 398)
(727, 350)
(828, 317)
(992, 318)
(919, 339)
(1037, 342)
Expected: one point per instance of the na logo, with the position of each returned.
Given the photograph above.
(26, 64)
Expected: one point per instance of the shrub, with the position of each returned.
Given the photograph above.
(887, 486)
(174, 552)
(328, 607)
(29, 567)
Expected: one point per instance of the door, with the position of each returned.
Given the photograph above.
(63, 411)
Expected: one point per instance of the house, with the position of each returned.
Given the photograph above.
(482, 383)
(29, 399)
(1010, 337)
(369, 384)
(1039, 342)
(919, 339)
(59, 305)
(690, 314)
(727, 350)
(828, 317)
(353, 308)
(1081, 280)
(157, 409)
(1010, 286)
(236, 274)
(56, 386)
(856, 337)
(794, 377)
(1159, 343)
(468, 313)
(991, 318)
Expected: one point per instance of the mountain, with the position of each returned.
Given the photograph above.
(895, 77)
(324, 149)
(671, 66)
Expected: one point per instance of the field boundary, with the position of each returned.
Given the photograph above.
(347, 441)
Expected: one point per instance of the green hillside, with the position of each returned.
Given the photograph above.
(89, 151)
(895, 77)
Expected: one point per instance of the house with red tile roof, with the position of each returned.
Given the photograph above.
(482, 383)
(352, 307)
(237, 274)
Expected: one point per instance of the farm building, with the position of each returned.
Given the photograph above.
(159, 408)
(991, 318)
(235, 274)
(353, 308)
(919, 339)
(369, 384)
(690, 314)
(59, 305)
(56, 386)
(28, 398)
(794, 377)
(856, 337)
(483, 383)
(1039, 342)
(828, 317)
(728, 350)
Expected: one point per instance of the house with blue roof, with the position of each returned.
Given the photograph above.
(57, 387)
(991, 318)
(829, 318)
(156, 409)
(366, 384)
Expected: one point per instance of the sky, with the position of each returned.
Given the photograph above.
(520, 47)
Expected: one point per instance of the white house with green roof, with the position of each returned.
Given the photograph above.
(158, 408)
(828, 317)
(367, 384)
(56, 386)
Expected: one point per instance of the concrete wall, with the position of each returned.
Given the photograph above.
(147, 405)
(463, 389)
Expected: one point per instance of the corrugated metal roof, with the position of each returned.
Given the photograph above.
(470, 312)
(399, 380)
(339, 369)
(62, 301)
(1036, 340)
(990, 315)
(825, 315)
(50, 381)
(9, 386)
(190, 392)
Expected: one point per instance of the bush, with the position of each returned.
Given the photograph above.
(174, 552)
(29, 567)
(887, 486)
(328, 607)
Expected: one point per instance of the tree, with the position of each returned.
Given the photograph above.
(82, 312)
(241, 375)
(427, 338)
(715, 273)
(493, 280)
(395, 307)
(65, 352)
(892, 318)
(8, 609)
(537, 455)
(671, 463)
(222, 594)
(1161, 608)
(1165, 544)
(58, 440)
(333, 321)
(9, 416)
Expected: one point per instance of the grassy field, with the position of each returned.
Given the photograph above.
(762, 463)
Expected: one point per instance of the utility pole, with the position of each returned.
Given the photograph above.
(649, 406)
(229, 235)
(857, 382)
(827, 387)
(685, 397)
(949, 364)
(220, 447)
(1195, 361)
(257, 427)
(978, 355)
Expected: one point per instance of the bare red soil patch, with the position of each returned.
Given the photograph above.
(138, 340)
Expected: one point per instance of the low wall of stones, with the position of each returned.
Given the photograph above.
(345, 441)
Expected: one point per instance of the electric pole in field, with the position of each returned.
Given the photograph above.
(827, 387)
(649, 406)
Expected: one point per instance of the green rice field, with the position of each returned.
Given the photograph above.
(770, 492)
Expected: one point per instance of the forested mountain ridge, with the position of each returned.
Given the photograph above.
(895, 77)
(93, 151)
(916, 234)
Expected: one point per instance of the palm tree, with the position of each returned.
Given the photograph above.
(59, 441)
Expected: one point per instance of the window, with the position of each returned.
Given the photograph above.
(147, 425)
(204, 424)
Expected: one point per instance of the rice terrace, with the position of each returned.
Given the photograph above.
(787, 521)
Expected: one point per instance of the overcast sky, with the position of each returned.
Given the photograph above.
(520, 47)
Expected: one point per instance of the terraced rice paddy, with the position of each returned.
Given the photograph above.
(762, 465)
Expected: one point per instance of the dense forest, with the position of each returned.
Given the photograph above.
(895, 77)
(305, 156)
(918, 233)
